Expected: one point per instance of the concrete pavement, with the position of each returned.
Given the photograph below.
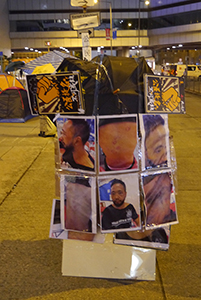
(30, 262)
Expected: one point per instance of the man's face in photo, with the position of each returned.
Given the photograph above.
(118, 194)
(156, 151)
(67, 136)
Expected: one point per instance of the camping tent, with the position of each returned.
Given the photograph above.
(54, 58)
(8, 81)
(14, 106)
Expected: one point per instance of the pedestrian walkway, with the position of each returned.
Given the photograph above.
(30, 262)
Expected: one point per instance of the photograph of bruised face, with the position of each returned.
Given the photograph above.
(157, 190)
(156, 136)
(118, 140)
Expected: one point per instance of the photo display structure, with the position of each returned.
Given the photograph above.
(118, 143)
(164, 94)
(159, 199)
(55, 93)
(157, 238)
(154, 141)
(78, 203)
(77, 143)
(56, 230)
(119, 202)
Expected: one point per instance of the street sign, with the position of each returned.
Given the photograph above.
(82, 3)
(85, 40)
(85, 20)
(89, 31)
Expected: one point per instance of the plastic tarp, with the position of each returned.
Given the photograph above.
(120, 81)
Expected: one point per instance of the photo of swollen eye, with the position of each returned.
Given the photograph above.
(155, 141)
(117, 139)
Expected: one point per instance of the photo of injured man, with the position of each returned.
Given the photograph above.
(78, 203)
(117, 139)
(159, 199)
(155, 141)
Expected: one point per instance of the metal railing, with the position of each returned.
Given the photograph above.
(193, 84)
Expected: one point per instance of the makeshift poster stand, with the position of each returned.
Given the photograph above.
(88, 253)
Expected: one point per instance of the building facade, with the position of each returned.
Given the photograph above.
(166, 29)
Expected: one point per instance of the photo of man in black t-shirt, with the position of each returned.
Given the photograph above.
(119, 214)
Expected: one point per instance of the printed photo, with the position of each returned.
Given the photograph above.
(57, 232)
(155, 141)
(157, 238)
(159, 199)
(117, 140)
(78, 203)
(77, 143)
(119, 202)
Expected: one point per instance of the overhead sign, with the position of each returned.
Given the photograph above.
(85, 20)
(82, 3)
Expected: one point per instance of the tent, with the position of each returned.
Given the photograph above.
(55, 58)
(14, 106)
(8, 81)
(111, 84)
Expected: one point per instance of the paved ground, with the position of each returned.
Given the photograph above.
(30, 262)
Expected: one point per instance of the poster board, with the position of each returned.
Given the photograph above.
(55, 93)
(88, 259)
(164, 94)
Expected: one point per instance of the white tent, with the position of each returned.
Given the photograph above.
(54, 57)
